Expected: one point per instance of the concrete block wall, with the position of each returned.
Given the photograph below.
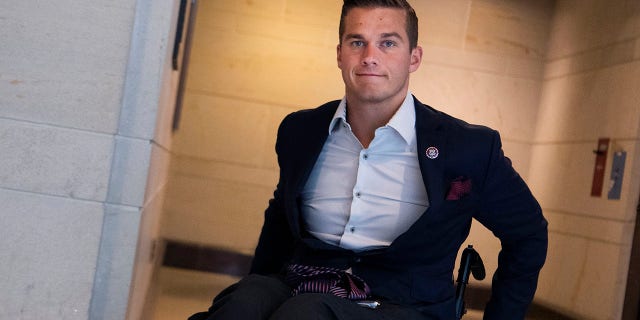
(85, 138)
(60, 92)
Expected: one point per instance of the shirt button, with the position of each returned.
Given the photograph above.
(366, 156)
(352, 229)
(358, 194)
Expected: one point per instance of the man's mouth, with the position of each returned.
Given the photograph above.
(366, 74)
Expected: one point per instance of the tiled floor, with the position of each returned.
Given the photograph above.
(182, 293)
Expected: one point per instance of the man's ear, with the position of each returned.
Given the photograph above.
(338, 49)
(416, 58)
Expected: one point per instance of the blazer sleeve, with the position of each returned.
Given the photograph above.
(511, 212)
(276, 242)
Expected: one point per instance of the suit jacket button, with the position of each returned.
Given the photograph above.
(357, 259)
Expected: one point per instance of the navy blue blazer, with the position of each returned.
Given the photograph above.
(417, 268)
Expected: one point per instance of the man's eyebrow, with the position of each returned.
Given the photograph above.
(382, 35)
(353, 36)
(391, 35)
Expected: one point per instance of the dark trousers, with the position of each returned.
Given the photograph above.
(257, 297)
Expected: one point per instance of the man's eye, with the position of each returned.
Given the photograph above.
(357, 43)
(388, 44)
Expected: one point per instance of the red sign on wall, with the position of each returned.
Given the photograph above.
(598, 171)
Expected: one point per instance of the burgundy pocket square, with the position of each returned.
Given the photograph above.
(459, 188)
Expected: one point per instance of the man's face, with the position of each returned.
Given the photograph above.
(374, 56)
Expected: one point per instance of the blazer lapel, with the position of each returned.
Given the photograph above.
(308, 142)
(430, 133)
(311, 139)
(431, 136)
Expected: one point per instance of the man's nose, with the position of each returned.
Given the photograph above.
(370, 55)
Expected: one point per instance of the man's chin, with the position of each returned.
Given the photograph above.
(373, 97)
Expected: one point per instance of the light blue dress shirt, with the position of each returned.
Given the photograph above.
(362, 199)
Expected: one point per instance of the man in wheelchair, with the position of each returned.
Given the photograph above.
(376, 195)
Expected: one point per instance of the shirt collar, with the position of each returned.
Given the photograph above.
(339, 116)
(403, 121)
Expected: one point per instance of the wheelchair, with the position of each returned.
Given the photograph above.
(470, 264)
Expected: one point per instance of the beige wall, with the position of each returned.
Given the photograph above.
(84, 139)
(551, 77)
(590, 91)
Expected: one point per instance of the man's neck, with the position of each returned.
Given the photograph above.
(365, 118)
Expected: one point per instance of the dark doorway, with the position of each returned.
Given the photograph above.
(632, 296)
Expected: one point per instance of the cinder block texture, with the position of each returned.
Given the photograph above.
(55, 161)
(63, 62)
(48, 260)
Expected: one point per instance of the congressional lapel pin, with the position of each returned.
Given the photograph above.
(432, 152)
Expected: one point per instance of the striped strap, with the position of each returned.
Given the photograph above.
(311, 279)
